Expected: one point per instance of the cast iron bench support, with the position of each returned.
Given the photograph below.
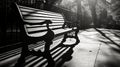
(40, 25)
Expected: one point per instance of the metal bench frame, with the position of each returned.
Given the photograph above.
(48, 37)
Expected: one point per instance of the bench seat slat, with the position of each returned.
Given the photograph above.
(38, 21)
(35, 26)
(44, 25)
(37, 34)
(42, 28)
(58, 31)
(48, 13)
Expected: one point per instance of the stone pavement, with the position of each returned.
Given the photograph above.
(98, 48)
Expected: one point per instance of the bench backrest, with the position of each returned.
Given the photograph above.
(32, 15)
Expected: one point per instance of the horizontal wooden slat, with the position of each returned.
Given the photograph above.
(42, 28)
(25, 13)
(29, 9)
(44, 25)
(37, 34)
(43, 18)
(38, 13)
(39, 20)
(56, 31)
(49, 15)
(34, 21)
(47, 12)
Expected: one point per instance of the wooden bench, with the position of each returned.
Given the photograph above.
(41, 25)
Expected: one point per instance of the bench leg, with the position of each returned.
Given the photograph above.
(48, 56)
(21, 60)
(64, 39)
(76, 37)
(70, 36)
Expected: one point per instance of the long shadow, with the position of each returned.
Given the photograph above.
(103, 34)
(68, 48)
(112, 60)
(116, 33)
(117, 50)
(64, 52)
(111, 42)
(68, 55)
(109, 61)
(63, 58)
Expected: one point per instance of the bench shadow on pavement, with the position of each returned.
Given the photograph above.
(50, 59)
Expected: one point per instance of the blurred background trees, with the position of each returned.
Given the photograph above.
(88, 13)
(93, 13)
(84, 13)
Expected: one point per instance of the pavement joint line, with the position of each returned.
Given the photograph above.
(97, 54)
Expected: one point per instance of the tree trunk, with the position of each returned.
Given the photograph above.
(92, 6)
(79, 14)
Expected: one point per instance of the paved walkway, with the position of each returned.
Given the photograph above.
(98, 48)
